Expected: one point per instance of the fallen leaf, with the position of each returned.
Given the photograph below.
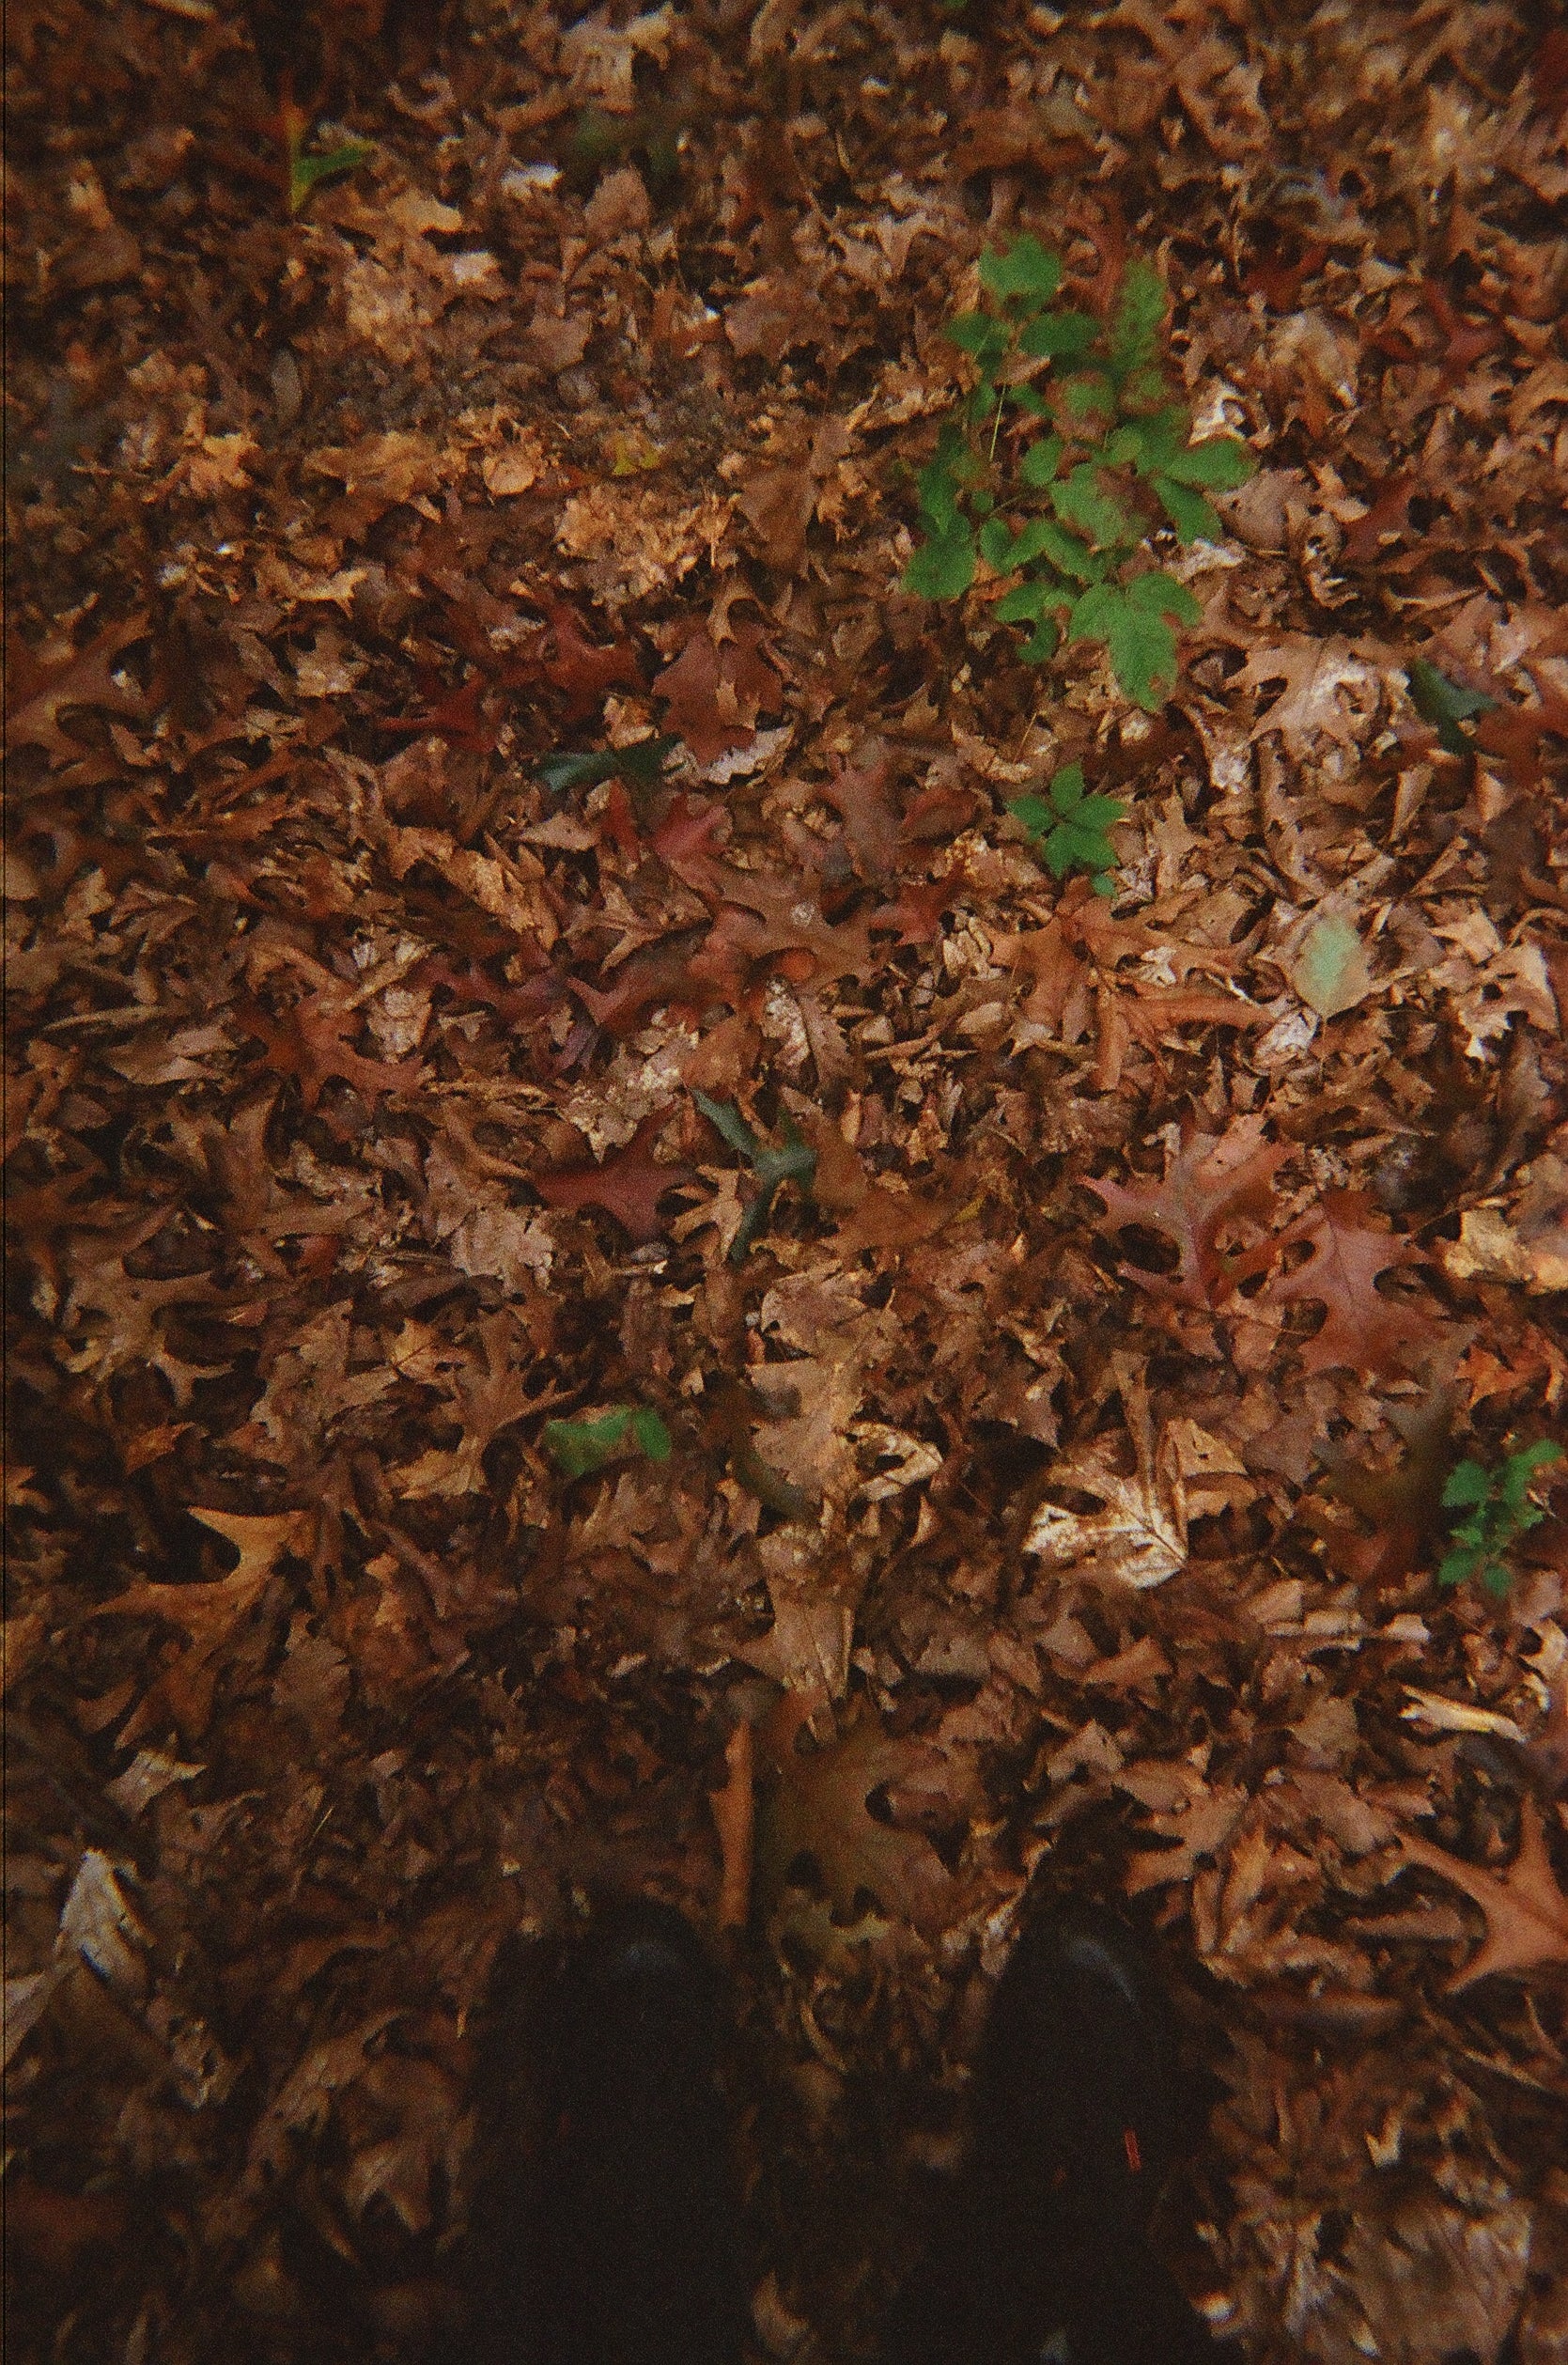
(628, 1185)
(1139, 1537)
(1526, 1910)
(1330, 972)
(1210, 1185)
(716, 692)
(1349, 1248)
(815, 1806)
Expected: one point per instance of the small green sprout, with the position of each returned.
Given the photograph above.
(1062, 487)
(307, 172)
(1073, 828)
(639, 765)
(577, 1447)
(1501, 1511)
(1438, 700)
(795, 1162)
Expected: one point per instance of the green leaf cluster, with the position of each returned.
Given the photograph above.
(1499, 1509)
(577, 1447)
(795, 1162)
(1066, 455)
(1071, 827)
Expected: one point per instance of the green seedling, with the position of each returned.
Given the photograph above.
(307, 172)
(1438, 700)
(1500, 1509)
(1067, 455)
(1070, 828)
(577, 1447)
(639, 765)
(796, 1162)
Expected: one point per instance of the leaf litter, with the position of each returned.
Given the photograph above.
(618, 1280)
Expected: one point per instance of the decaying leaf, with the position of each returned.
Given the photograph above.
(1211, 1185)
(1526, 1910)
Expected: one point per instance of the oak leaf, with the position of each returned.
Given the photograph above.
(716, 692)
(207, 1613)
(1139, 1537)
(1210, 1185)
(628, 1185)
(308, 1043)
(816, 1806)
(85, 679)
(1349, 1250)
(657, 972)
(1526, 1910)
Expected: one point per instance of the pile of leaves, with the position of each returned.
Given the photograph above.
(679, 1221)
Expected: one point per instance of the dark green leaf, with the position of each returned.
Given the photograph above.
(1041, 645)
(1025, 269)
(1139, 314)
(1027, 602)
(561, 773)
(1041, 460)
(944, 568)
(1033, 813)
(1066, 787)
(1079, 500)
(1469, 1483)
(980, 334)
(1160, 594)
(1221, 462)
(306, 173)
(1443, 702)
(1188, 512)
(1059, 337)
(577, 1447)
(1142, 647)
(1149, 444)
(727, 1120)
(651, 1435)
(1089, 390)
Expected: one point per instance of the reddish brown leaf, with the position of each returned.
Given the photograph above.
(715, 692)
(817, 1806)
(307, 1042)
(628, 1185)
(83, 681)
(654, 973)
(584, 671)
(861, 793)
(1211, 1184)
(1350, 1248)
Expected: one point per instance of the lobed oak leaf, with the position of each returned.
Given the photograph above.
(628, 1185)
(816, 1806)
(85, 679)
(584, 671)
(1361, 1329)
(716, 692)
(860, 793)
(1210, 1186)
(658, 972)
(308, 1043)
(207, 1613)
(1139, 1537)
(1526, 1910)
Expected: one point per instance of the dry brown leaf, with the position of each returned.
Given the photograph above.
(1526, 1910)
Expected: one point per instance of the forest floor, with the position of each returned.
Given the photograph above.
(1043, 1492)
